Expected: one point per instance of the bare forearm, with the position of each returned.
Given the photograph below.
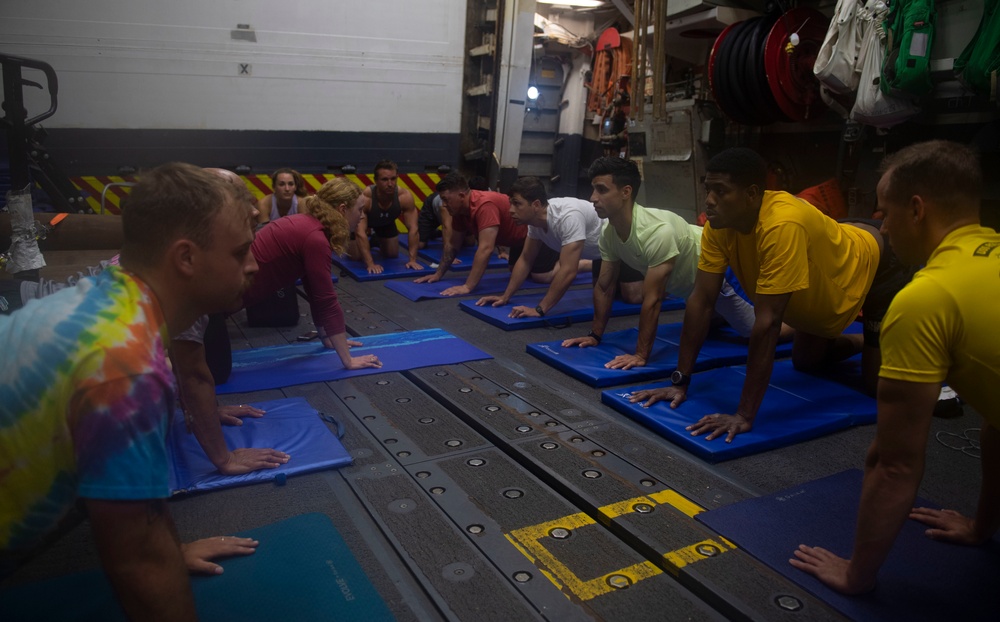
(200, 408)
(141, 555)
(479, 264)
(338, 342)
(886, 500)
(413, 241)
(694, 331)
(603, 299)
(647, 326)
(197, 388)
(364, 248)
(560, 284)
(760, 362)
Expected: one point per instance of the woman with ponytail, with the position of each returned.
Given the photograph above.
(299, 246)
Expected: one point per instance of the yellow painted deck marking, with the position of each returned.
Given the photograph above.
(675, 500)
(528, 540)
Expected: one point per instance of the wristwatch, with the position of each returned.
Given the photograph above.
(680, 379)
(540, 311)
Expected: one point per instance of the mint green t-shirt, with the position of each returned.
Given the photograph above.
(657, 236)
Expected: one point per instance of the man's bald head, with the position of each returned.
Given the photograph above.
(241, 192)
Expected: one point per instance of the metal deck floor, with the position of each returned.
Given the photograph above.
(504, 490)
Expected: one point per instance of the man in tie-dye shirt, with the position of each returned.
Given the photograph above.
(86, 391)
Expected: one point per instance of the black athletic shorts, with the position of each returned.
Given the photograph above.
(626, 273)
(428, 223)
(890, 277)
(544, 262)
(386, 232)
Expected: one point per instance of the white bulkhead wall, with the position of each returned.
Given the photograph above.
(332, 65)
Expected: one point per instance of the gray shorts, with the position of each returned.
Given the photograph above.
(737, 312)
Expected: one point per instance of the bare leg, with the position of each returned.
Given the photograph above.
(353, 253)
(810, 352)
(544, 277)
(632, 292)
(389, 247)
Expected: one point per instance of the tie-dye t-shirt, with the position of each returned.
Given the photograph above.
(85, 393)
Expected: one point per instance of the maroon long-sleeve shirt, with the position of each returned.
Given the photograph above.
(291, 248)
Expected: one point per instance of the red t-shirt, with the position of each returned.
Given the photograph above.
(491, 209)
(295, 247)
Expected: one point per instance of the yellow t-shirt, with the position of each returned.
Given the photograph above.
(828, 267)
(943, 325)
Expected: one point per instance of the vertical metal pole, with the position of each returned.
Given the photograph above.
(17, 134)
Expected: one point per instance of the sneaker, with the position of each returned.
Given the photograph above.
(949, 405)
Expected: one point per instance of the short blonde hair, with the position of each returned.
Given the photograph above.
(323, 207)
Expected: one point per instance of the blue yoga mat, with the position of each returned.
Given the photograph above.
(576, 306)
(302, 570)
(491, 283)
(921, 579)
(290, 425)
(392, 268)
(283, 366)
(433, 252)
(796, 407)
(723, 347)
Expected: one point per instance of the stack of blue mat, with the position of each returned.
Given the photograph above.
(577, 305)
(796, 407)
(723, 347)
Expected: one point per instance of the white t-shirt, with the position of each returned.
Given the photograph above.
(571, 220)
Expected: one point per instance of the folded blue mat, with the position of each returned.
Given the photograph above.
(302, 570)
(920, 580)
(576, 306)
(391, 268)
(796, 407)
(433, 252)
(290, 425)
(491, 283)
(723, 347)
(283, 366)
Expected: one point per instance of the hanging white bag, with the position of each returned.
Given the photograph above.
(837, 65)
(872, 106)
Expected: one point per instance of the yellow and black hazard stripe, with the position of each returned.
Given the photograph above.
(421, 185)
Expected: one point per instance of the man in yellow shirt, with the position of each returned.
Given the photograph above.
(941, 327)
(798, 266)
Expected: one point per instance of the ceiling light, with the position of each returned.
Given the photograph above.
(589, 4)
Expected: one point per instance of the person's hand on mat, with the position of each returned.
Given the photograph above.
(412, 265)
(830, 569)
(375, 269)
(430, 278)
(197, 554)
(230, 415)
(718, 424)
(456, 290)
(949, 526)
(351, 343)
(493, 301)
(625, 361)
(648, 397)
(364, 362)
(250, 459)
(582, 342)
(522, 311)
